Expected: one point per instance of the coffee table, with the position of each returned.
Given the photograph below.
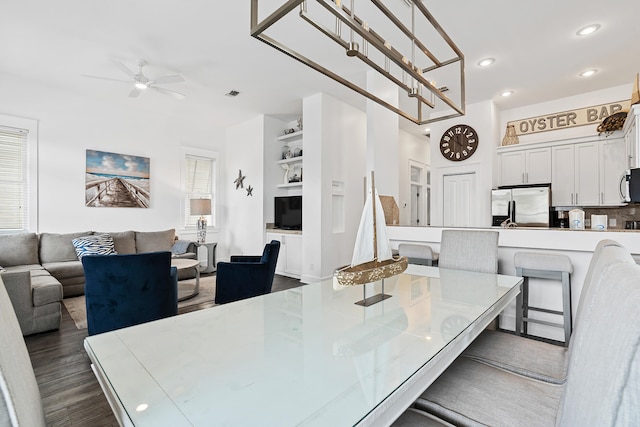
(187, 290)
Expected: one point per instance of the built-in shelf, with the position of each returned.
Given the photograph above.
(291, 184)
(289, 136)
(290, 160)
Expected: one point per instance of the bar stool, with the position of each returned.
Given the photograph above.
(543, 266)
(418, 254)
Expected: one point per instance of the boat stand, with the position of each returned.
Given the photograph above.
(374, 299)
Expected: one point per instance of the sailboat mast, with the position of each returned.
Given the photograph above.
(373, 206)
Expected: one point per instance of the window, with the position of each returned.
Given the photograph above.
(199, 171)
(18, 175)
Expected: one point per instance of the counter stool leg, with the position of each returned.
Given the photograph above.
(519, 303)
(566, 307)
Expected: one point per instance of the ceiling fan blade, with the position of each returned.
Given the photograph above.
(168, 79)
(124, 68)
(135, 92)
(106, 78)
(164, 91)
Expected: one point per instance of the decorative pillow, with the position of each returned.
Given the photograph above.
(97, 244)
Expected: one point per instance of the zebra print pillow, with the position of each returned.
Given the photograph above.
(98, 244)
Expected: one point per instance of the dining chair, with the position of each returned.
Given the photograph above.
(126, 290)
(471, 250)
(20, 400)
(247, 276)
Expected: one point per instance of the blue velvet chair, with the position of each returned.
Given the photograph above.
(247, 276)
(126, 290)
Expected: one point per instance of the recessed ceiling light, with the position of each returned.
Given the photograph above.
(507, 93)
(588, 73)
(486, 62)
(589, 29)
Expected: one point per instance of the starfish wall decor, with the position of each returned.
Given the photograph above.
(249, 190)
(239, 180)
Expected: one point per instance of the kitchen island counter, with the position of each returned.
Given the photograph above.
(578, 245)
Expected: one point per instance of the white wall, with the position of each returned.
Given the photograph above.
(70, 123)
(245, 214)
(483, 117)
(334, 151)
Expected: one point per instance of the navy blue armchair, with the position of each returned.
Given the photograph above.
(247, 276)
(126, 290)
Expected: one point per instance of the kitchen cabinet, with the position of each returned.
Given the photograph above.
(613, 162)
(631, 131)
(528, 166)
(290, 255)
(588, 173)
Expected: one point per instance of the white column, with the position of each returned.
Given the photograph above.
(383, 136)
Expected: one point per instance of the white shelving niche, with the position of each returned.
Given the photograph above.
(291, 166)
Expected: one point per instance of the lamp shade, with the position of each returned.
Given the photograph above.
(200, 206)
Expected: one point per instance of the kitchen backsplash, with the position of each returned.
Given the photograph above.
(621, 214)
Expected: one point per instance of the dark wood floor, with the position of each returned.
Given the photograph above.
(70, 392)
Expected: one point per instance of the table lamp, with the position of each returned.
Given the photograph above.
(201, 207)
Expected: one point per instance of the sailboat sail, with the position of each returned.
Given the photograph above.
(372, 257)
(363, 249)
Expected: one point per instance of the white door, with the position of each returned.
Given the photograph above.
(458, 200)
(417, 200)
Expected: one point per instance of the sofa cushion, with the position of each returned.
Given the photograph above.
(96, 244)
(155, 241)
(64, 270)
(46, 289)
(124, 241)
(18, 249)
(26, 267)
(58, 247)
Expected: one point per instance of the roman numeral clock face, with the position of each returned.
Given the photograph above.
(458, 143)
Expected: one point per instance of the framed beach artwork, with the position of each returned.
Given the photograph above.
(116, 180)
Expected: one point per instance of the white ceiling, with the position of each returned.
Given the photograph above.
(538, 54)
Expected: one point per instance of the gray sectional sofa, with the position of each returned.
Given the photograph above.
(39, 270)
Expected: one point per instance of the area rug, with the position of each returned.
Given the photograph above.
(77, 308)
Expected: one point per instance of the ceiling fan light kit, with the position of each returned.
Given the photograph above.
(390, 38)
(142, 82)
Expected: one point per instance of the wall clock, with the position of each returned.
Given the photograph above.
(459, 142)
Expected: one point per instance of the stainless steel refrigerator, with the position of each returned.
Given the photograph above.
(526, 206)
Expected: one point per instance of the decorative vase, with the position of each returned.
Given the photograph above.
(510, 137)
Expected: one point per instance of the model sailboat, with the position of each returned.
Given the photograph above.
(372, 258)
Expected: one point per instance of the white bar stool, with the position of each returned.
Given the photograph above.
(418, 254)
(543, 266)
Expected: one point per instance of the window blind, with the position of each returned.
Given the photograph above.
(14, 190)
(199, 185)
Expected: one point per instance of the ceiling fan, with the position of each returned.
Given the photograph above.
(141, 82)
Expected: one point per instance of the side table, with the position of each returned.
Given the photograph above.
(211, 257)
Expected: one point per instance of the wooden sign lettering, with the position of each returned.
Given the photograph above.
(568, 119)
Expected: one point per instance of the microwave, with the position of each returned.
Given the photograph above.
(632, 184)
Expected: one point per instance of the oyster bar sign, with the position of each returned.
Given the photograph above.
(569, 119)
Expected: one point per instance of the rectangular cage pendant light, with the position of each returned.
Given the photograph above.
(400, 40)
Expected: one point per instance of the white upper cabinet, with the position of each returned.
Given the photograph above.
(613, 162)
(527, 166)
(631, 132)
(588, 173)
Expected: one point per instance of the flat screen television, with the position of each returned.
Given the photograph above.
(288, 212)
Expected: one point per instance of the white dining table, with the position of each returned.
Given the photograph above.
(305, 356)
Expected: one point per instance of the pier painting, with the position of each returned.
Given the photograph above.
(116, 180)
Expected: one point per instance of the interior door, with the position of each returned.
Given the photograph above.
(458, 200)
